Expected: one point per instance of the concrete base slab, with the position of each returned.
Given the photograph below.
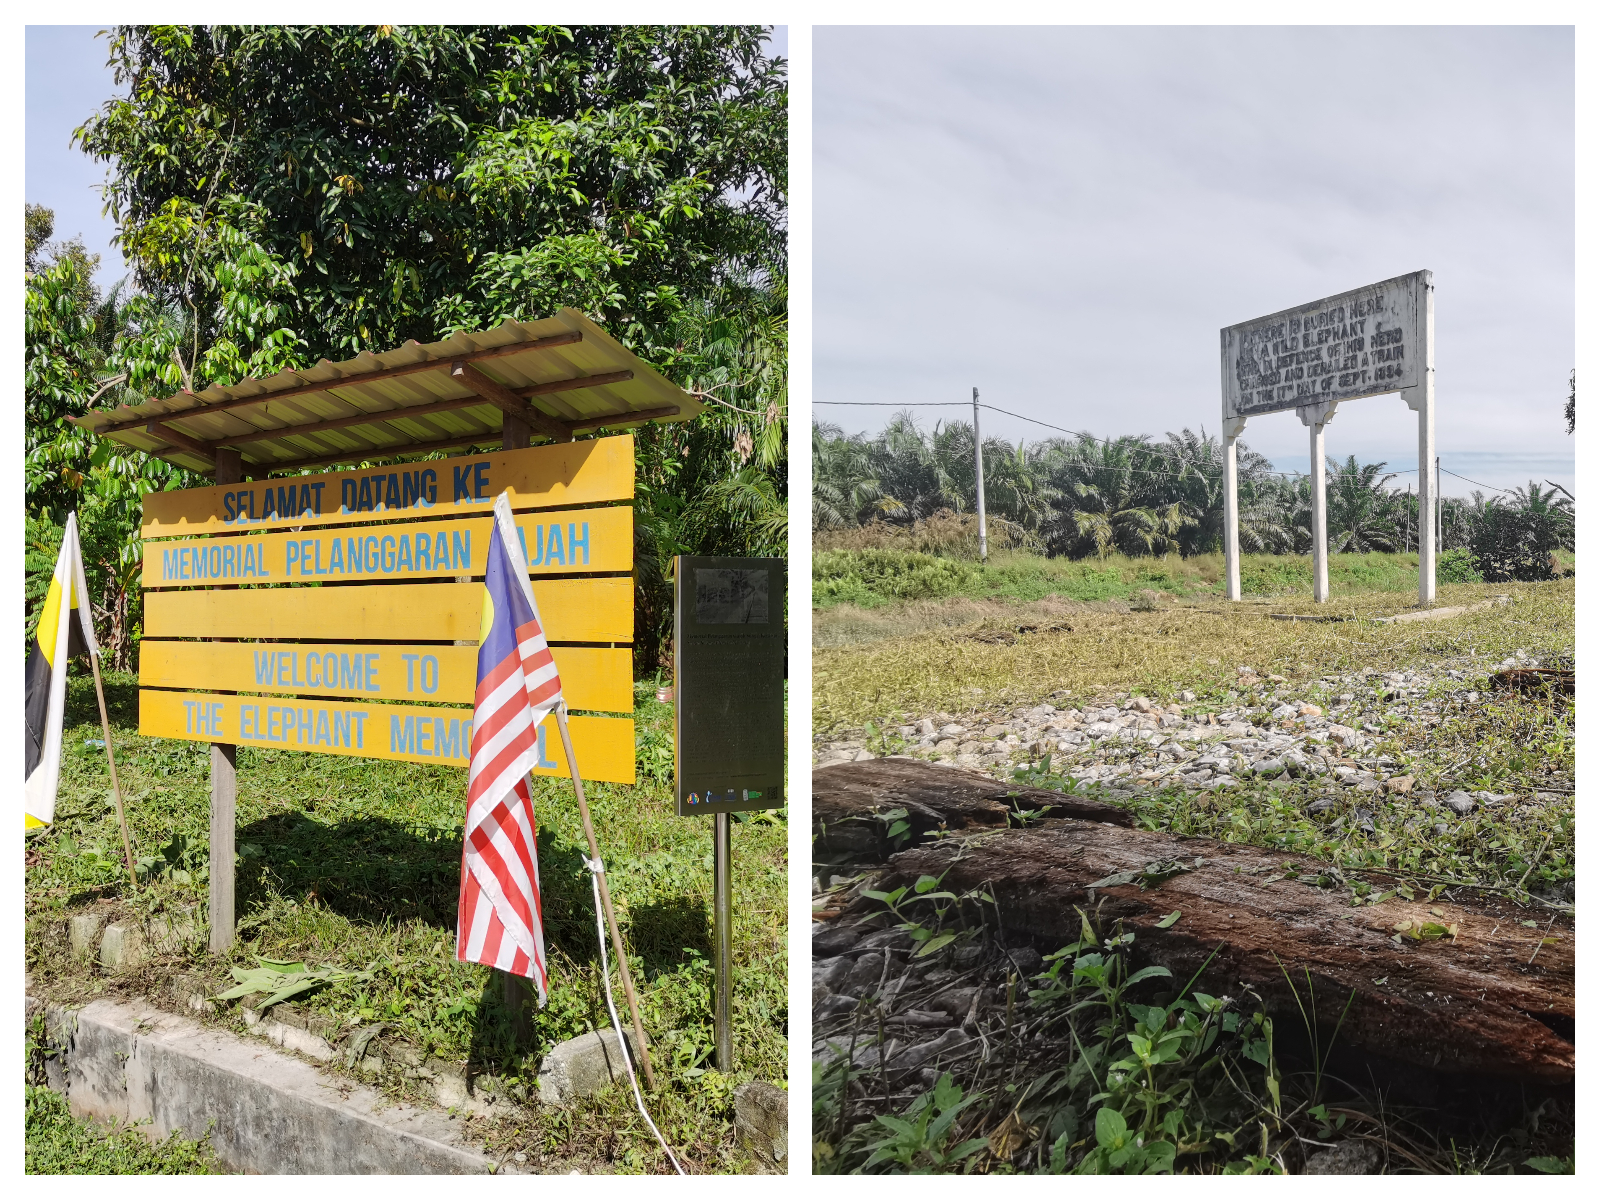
(267, 1113)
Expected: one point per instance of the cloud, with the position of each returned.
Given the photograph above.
(1066, 218)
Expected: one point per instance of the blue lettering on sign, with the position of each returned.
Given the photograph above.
(292, 724)
(544, 759)
(430, 737)
(215, 560)
(551, 550)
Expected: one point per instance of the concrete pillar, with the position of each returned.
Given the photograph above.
(983, 517)
(1232, 427)
(1316, 417)
(1319, 516)
(1421, 401)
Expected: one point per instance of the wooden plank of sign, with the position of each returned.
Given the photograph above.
(593, 678)
(397, 732)
(554, 476)
(557, 542)
(574, 610)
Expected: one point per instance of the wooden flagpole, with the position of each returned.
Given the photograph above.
(605, 895)
(116, 788)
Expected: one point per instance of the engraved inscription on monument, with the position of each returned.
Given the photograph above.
(730, 596)
(1360, 343)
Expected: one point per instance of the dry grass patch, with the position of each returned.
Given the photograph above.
(1196, 646)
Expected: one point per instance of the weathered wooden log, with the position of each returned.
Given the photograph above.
(1462, 986)
(846, 796)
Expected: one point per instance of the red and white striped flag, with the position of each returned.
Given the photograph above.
(500, 923)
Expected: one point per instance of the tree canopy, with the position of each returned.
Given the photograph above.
(285, 194)
(354, 187)
(1087, 496)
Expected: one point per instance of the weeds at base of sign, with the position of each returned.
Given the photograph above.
(353, 866)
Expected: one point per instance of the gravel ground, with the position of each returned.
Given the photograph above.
(1329, 727)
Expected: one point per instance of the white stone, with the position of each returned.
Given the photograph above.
(582, 1066)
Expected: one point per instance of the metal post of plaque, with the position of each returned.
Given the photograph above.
(728, 671)
(1367, 342)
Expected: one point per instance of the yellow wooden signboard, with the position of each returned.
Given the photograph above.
(574, 610)
(402, 732)
(554, 476)
(317, 656)
(593, 678)
(585, 540)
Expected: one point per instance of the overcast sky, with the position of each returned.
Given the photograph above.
(1066, 218)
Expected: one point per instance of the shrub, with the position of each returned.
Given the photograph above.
(1456, 566)
(1515, 543)
(946, 533)
(872, 577)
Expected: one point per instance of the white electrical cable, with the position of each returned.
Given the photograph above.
(596, 866)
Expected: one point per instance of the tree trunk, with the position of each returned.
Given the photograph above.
(1493, 996)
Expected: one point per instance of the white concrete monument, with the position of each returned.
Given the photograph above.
(1374, 340)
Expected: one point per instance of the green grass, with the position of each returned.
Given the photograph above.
(1176, 646)
(1503, 744)
(908, 663)
(874, 578)
(356, 863)
(57, 1143)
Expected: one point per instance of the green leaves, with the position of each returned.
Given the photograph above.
(919, 1141)
(1552, 1166)
(279, 981)
(1151, 875)
(934, 944)
(487, 173)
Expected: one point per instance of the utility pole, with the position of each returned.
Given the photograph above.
(1439, 506)
(977, 450)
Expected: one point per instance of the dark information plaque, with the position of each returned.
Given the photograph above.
(728, 661)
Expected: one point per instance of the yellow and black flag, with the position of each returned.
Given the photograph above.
(57, 638)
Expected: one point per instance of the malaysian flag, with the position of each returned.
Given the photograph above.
(500, 924)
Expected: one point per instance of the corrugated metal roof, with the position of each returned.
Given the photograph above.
(411, 399)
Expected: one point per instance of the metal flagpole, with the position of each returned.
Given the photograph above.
(722, 936)
(605, 894)
(977, 444)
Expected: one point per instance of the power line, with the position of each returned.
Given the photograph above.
(1490, 486)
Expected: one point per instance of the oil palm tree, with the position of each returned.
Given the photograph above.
(1360, 508)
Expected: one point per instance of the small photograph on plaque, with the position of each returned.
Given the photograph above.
(730, 596)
